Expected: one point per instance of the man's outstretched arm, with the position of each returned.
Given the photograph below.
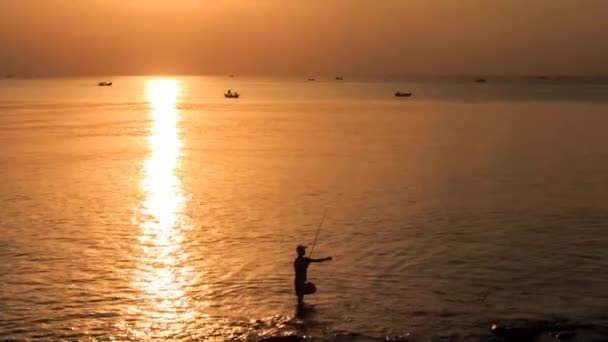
(321, 260)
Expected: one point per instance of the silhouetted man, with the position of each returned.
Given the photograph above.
(300, 266)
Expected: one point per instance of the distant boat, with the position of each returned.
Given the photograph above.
(231, 95)
(311, 80)
(9, 76)
(542, 77)
(339, 78)
(231, 76)
(480, 80)
(400, 94)
(105, 83)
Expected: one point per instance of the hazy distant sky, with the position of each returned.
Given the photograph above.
(304, 37)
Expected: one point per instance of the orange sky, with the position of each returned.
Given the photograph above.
(312, 37)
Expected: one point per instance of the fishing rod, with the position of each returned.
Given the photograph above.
(318, 230)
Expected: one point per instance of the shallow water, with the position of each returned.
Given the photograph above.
(156, 209)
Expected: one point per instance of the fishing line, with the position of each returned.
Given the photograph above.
(318, 230)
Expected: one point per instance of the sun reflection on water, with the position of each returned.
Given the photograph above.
(162, 277)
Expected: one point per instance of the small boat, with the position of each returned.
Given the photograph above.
(480, 80)
(400, 94)
(542, 77)
(105, 83)
(311, 80)
(230, 95)
(339, 78)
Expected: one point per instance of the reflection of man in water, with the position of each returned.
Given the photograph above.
(300, 266)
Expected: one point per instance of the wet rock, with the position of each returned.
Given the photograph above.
(562, 335)
(530, 330)
(517, 333)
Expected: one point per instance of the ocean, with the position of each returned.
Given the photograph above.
(156, 209)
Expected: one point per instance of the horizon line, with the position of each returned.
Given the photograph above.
(321, 76)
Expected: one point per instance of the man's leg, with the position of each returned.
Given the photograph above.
(299, 289)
